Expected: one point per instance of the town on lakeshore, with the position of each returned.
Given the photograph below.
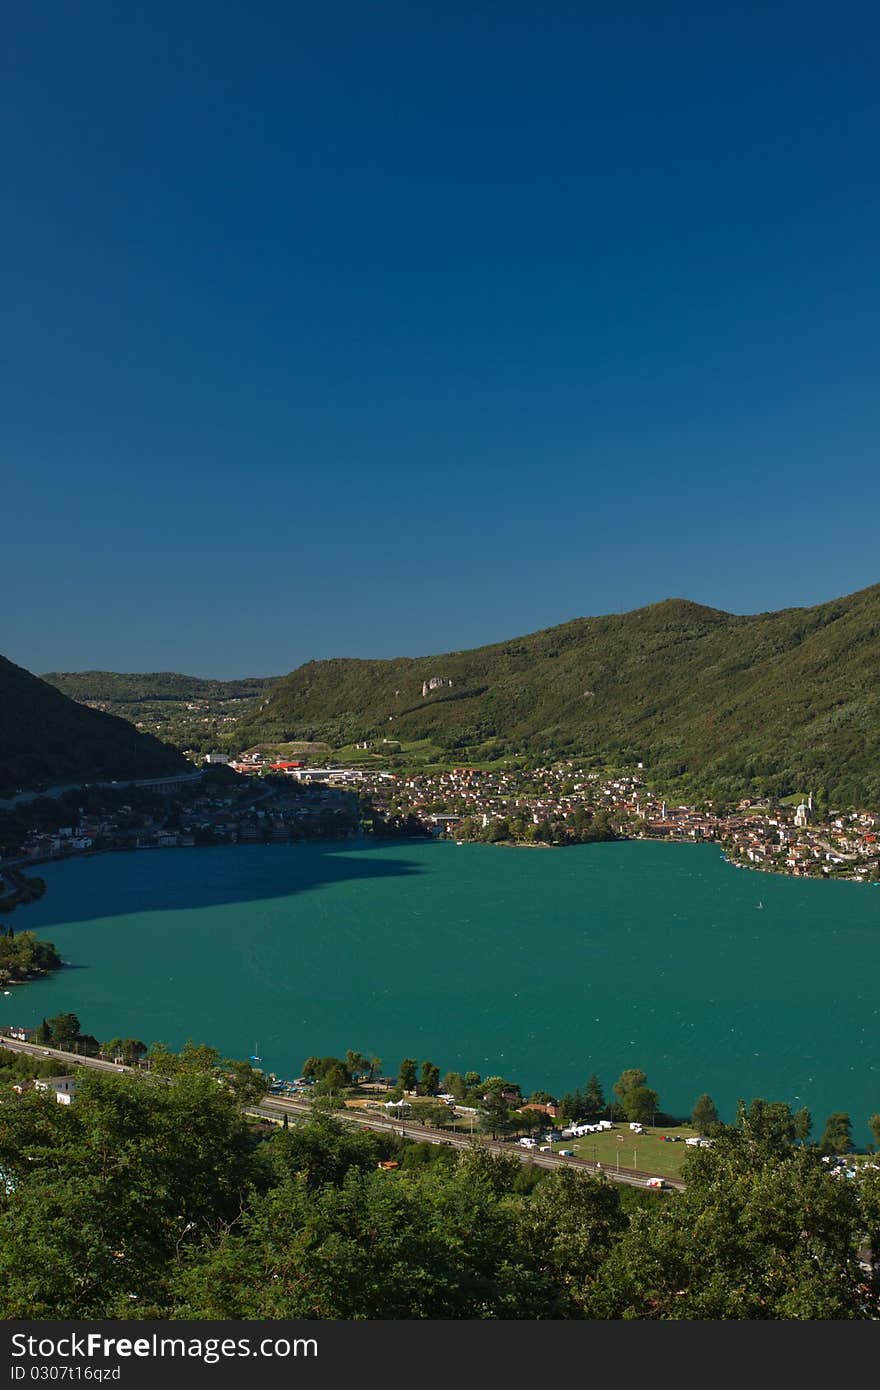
(257, 799)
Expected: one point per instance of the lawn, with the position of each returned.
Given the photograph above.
(647, 1151)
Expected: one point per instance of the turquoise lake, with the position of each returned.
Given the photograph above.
(540, 965)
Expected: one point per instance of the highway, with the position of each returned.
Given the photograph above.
(274, 1108)
(123, 783)
(67, 1058)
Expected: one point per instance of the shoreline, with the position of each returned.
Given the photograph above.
(671, 840)
(381, 841)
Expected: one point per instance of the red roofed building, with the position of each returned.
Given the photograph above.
(551, 1110)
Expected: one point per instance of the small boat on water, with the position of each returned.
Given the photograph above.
(760, 905)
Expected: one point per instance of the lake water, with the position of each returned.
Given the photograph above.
(539, 965)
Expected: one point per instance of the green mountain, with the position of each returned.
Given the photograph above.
(46, 739)
(191, 713)
(114, 688)
(711, 702)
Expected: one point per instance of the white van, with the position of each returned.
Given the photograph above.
(527, 1144)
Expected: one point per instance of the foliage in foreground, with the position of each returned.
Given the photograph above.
(156, 1198)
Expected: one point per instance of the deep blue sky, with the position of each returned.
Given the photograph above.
(350, 329)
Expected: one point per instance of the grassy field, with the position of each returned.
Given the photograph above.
(645, 1151)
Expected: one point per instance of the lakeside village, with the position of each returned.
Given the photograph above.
(256, 800)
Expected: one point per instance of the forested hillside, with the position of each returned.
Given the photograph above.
(154, 1201)
(47, 739)
(192, 713)
(130, 689)
(709, 701)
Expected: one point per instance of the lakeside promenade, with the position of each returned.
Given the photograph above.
(275, 1109)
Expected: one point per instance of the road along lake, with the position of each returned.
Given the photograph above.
(541, 966)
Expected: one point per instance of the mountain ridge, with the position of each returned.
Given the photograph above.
(708, 700)
(48, 739)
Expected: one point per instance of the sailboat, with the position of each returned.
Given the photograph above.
(760, 905)
(256, 1053)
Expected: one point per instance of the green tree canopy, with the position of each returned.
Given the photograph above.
(704, 1116)
(430, 1081)
(406, 1076)
(64, 1030)
(837, 1138)
(594, 1097)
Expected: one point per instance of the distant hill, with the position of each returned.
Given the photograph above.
(191, 713)
(114, 688)
(47, 739)
(710, 701)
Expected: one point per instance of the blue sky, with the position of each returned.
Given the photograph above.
(367, 330)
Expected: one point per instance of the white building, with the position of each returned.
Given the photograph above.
(64, 1087)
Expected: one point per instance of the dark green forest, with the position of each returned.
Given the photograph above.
(158, 1198)
(134, 689)
(46, 739)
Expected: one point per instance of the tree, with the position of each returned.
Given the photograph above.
(568, 1228)
(441, 1245)
(429, 1112)
(571, 1107)
(803, 1123)
(704, 1116)
(639, 1102)
(493, 1113)
(355, 1062)
(406, 1076)
(874, 1127)
(594, 1096)
(471, 1079)
(430, 1079)
(335, 1079)
(642, 1104)
(628, 1081)
(323, 1151)
(531, 1120)
(245, 1082)
(111, 1194)
(767, 1124)
(453, 1085)
(478, 1167)
(64, 1028)
(837, 1138)
(43, 1035)
(776, 1240)
(316, 1069)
